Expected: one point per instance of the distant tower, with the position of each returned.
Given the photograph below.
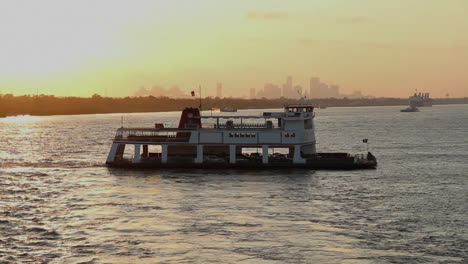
(334, 91)
(252, 93)
(288, 88)
(314, 87)
(219, 90)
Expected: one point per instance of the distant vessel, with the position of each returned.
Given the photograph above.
(232, 142)
(410, 108)
(228, 109)
(420, 100)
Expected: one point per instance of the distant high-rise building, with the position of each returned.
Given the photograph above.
(323, 91)
(314, 87)
(334, 91)
(252, 93)
(219, 90)
(288, 91)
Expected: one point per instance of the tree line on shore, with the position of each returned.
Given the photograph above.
(52, 105)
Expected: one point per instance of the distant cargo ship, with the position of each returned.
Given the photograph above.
(420, 100)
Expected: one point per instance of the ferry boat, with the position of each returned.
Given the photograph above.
(284, 139)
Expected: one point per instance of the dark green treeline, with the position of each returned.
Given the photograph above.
(51, 105)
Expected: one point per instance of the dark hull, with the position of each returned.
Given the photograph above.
(322, 163)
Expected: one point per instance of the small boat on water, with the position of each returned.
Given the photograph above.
(228, 109)
(410, 108)
(284, 139)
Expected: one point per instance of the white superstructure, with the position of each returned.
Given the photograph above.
(223, 138)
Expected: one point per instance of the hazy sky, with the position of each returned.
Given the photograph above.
(384, 48)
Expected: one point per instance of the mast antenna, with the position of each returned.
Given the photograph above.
(199, 91)
(301, 97)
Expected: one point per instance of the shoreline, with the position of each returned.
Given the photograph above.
(45, 105)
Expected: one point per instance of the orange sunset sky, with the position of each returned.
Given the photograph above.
(383, 48)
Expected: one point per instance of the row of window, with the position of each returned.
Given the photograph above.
(252, 135)
(247, 135)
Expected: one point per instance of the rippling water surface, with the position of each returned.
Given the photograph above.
(59, 204)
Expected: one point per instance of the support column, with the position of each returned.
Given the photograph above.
(199, 158)
(232, 154)
(136, 156)
(297, 158)
(120, 151)
(145, 151)
(112, 153)
(265, 154)
(163, 153)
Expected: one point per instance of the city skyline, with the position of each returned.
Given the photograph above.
(289, 89)
(385, 49)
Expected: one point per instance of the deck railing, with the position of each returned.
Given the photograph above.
(240, 126)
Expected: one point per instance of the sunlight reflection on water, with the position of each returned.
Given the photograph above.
(58, 203)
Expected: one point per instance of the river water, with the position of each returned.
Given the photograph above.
(59, 204)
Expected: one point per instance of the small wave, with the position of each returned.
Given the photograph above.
(5, 223)
(65, 165)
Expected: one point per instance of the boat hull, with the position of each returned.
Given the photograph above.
(319, 163)
(408, 110)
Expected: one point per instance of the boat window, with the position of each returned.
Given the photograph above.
(293, 134)
(237, 135)
(254, 135)
(286, 134)
(242, 135)
(231, 134)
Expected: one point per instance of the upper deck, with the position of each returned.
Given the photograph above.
(292, 126)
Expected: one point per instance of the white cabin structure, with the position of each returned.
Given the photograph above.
(224, 138)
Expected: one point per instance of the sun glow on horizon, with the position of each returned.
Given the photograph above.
(84, 47)
(20, 119)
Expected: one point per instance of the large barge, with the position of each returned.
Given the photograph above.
(273, 140)
(420, 100)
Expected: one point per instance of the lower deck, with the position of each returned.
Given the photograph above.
(232, 156)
